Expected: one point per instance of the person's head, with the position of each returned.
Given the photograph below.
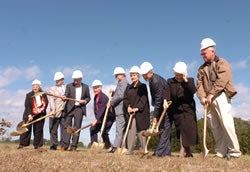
(77, 77)
(36, 86)
(180, 69)
(119, 73)
(208, 50)
(135, 74)
(59, 78)
(97, 86)
(147, 71)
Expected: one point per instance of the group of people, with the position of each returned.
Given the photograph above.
(128, 105)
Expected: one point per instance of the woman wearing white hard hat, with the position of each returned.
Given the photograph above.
(116, 104)
(136, 101)
(180, 90)
(35, 107)
(55, 104)
(100, 105)
(75, 110)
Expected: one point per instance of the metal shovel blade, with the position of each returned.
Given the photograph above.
(15, 133)
(71, 130)
(147, 134)
(97, 145)
(21, 127)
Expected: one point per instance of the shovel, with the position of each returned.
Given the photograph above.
(101, 144)
(157, 132)
(205, 153)
(74, 132)
(123, 149)
(22, 126)
(49, 94)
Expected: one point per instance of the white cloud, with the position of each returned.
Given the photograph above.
(242, 64)
(11, 74)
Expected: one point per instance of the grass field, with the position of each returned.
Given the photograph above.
(29, 159)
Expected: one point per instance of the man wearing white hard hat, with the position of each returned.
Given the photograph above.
(157, 84)
(35, 107)
(136, 102)
(100, 105)
(215, 90)
(75, 110)
(56, 103)
(180, 90)
(116, 104)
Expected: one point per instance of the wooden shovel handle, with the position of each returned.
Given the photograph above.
(43, 117)
(106, 114)
(162, 116)
(83, 127)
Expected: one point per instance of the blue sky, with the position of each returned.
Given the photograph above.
(38, 38)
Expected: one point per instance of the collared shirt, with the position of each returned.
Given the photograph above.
(78, 95)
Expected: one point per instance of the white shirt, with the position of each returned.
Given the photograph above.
(78, 95)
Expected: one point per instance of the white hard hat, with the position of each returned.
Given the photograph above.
(207, 42)
(77, 74)
(119, 70)
(36, 81)
(135, 69)
(180, 67)
(58, 76)
(146, 67)
(96, 83)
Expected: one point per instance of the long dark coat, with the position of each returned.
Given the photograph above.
(137, 97)
(183, 109)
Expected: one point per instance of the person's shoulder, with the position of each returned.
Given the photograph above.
(84, 85)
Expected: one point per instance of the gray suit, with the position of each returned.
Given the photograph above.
(117, 103)
(76, 112)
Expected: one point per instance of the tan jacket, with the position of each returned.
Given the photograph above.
(222, 83)
(54, 102)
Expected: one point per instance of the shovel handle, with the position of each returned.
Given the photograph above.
(61, 97)
(83, 127)
(43, 117)
(162, 116)
(205, 131)
(105, 114)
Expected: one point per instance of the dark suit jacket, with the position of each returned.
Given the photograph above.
(157, 85)
(181, 95)
(70, 92)
(101, 106)
(137, 97)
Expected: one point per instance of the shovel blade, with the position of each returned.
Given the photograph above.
(21, 128)
(205, 153)
(97, 145)
(15, 133)
(147, 134)
(70, 130)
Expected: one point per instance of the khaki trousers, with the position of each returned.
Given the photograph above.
(221, 123)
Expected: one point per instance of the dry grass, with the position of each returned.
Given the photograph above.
(29, 159)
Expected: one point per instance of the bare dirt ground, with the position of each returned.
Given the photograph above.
(30, 159)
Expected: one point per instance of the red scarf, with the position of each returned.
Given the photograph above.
(38, 109)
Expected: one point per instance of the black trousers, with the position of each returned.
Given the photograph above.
(37, 132)
(105, 136)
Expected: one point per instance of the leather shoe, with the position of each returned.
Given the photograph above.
(112, 150)
(63, 148)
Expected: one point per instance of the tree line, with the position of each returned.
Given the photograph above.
(242, 129)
